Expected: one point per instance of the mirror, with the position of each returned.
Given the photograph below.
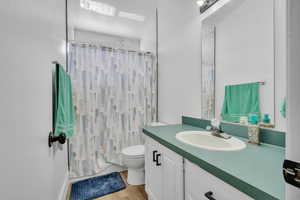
(238, 48)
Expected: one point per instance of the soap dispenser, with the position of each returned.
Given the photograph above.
(253, 133)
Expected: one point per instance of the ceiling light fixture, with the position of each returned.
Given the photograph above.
(206, 4)
(98, 7)
(131, 16)
(200, 2)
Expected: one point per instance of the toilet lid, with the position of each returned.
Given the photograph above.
(134, 151)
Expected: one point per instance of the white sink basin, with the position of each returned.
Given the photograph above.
(205, 140)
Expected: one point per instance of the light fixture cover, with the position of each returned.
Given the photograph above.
(206, 4)
(132, 16)
(98, 7)
(200, 2)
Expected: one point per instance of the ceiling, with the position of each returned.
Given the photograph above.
(80, 18)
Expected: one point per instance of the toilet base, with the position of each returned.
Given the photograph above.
(136, 176)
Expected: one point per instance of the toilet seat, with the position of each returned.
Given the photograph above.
(132, 152)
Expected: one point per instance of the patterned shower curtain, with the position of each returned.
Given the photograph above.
(114, 93)
(208, 72)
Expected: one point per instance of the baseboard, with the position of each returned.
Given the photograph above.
(64, 188)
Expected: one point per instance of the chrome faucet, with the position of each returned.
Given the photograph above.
(216, 130)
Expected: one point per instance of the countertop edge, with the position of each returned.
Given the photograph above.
(224, 176)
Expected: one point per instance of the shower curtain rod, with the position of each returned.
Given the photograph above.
(106, 47)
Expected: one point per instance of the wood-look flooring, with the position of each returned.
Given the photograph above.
(130, 193)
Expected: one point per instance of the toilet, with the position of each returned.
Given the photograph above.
(134, 160)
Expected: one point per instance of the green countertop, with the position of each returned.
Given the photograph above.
(255, 170)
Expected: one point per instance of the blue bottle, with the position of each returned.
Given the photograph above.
(253, 119)
(266, 119)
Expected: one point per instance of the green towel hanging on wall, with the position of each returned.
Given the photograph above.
(64, 114)
(241, 100)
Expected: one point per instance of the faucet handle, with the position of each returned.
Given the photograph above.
(208, 128)
(215, 123)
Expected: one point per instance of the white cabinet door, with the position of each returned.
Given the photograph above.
(164, 172)
(172, 173)
(198, 182)
(153, 173)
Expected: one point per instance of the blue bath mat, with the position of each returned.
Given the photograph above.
(97, 187)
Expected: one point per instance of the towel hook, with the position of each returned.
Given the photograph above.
(55, 62)
(52, 138)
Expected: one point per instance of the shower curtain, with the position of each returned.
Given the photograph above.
(114, 94)
(208, 72)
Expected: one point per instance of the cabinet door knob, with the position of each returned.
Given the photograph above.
(154, 155)
(157, 159)
(209, 195)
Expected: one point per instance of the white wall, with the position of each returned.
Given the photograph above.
(148, 38)
(293, 136)
(32, 35)
(107, 40)
(146, 41)
(179, 52)
(86, 20)
(280, 61)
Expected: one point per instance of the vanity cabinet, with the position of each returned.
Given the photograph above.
(170, 176)
(164, 172)
(200, 185)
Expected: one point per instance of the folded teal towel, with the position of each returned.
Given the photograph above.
(241, 100)
(64, 115)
